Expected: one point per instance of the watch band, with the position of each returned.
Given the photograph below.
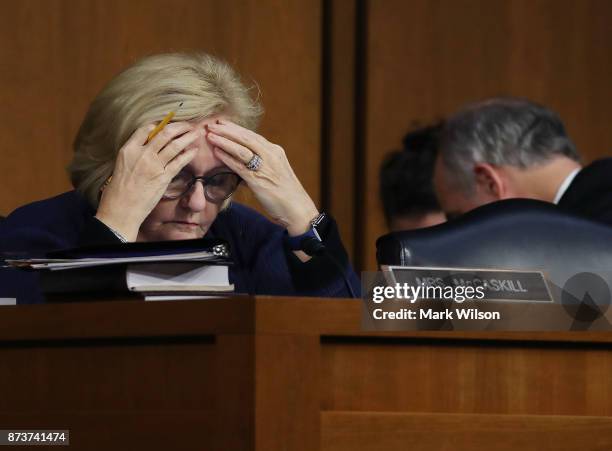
(295, 242)
(318, 222)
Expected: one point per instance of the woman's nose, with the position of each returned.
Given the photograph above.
(195, 199)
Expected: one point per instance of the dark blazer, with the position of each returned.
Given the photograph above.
(262, 262)
(590, 193)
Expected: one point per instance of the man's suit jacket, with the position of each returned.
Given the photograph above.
(590, 193)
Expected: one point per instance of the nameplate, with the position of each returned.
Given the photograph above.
(473, 284)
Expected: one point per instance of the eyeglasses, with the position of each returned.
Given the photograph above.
(217, 187)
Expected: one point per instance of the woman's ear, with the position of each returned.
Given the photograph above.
(490, 181)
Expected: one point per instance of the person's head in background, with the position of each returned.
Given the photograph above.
(502, 148)
(406, 187)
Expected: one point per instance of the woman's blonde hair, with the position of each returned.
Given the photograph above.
(145, 92)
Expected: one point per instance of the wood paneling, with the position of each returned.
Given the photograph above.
(476, 377)
(57, 54)
(108, 318)
(426, 58)
(68, 376)
(235, 388)
(339, 116)
(178, 430)
(294, 374)
(374, 431)
(287, 380)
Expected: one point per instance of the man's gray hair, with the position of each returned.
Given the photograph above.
(502, 131)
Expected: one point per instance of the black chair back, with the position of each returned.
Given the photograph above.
(515, 234)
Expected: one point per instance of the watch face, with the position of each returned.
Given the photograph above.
(319, 225)
(316, 222)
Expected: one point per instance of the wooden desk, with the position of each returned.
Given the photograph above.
(294, 374)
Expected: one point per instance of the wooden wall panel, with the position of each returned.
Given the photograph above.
(374, 431)
(426, 58)
(339, 105)
(57, 54)
(474, 378)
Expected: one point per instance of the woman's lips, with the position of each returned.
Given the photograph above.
(184, 224)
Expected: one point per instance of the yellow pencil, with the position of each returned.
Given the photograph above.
(162, 124)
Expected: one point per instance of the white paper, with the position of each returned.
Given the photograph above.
(178, 298)
(178, 277)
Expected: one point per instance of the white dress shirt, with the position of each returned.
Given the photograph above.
(565, 185)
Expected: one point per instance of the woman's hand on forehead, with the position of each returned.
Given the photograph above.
(274, 182)
(142, 173)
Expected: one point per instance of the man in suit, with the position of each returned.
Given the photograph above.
(505, 148)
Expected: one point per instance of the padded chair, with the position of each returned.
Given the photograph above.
(515, 234)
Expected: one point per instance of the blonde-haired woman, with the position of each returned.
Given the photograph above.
(178, 184)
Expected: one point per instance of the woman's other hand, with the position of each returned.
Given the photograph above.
(274, 183)
(142, 173)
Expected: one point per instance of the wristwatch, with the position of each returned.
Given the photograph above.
(315, 231)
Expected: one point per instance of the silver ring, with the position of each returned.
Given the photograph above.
(254, 163)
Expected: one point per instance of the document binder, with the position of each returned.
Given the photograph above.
(169, 267)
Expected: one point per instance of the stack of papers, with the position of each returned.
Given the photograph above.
(189, 267)
(163, 279)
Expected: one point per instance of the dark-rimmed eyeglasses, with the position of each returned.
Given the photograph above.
(217, 187)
